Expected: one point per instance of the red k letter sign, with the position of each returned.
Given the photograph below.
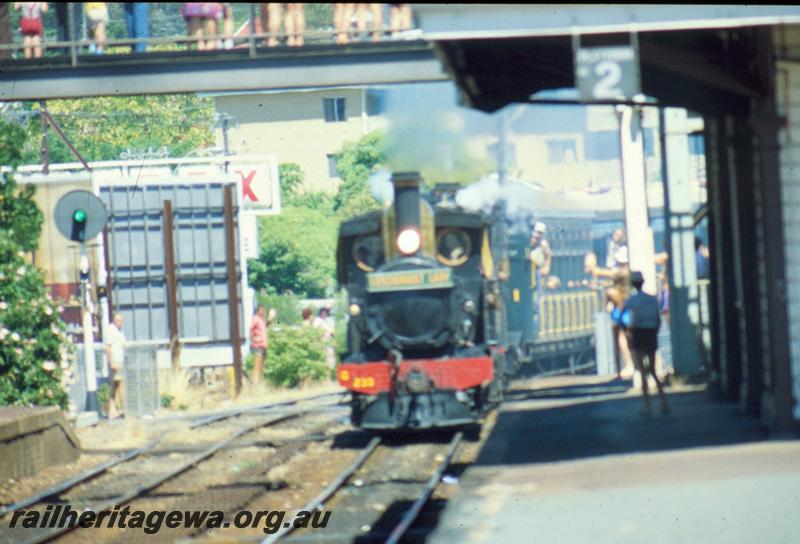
(247, 182)
(259, 185)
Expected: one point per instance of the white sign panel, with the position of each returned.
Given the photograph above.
(259, 188)
(607, 73)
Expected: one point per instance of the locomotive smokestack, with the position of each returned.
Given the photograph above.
(406, 211)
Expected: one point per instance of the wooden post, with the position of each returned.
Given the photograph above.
(172, 288)
(109, 283)
(233, 296)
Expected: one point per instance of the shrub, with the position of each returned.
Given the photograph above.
(103, 395)
(341, 317)
(296, 355)
(33, 342)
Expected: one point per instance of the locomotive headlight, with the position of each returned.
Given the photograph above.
(355, 310)
(408, 241)
(466, 327)
(469, 306)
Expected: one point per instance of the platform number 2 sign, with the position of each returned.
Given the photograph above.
(607, 73)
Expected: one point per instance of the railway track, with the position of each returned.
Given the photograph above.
(411, 493)
(213, 418)
(401, 475)
(94, 486)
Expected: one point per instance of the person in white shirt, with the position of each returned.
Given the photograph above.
(115, 352)
(324, 322)
(617, 241)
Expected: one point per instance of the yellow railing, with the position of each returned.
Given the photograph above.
(567, 313)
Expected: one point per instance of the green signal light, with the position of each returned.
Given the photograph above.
(79, 216)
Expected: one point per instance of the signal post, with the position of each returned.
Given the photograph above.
(80, 215)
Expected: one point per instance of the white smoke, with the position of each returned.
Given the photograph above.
(380, 186)
(483, 196)
(430, 134)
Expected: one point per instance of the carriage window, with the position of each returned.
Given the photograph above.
(453, 247)
(368, 252)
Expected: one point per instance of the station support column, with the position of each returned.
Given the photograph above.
(683, 300)
(641, 253)
(87, 310)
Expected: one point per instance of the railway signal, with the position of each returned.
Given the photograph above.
(80, 216)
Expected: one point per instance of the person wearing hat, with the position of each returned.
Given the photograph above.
(641, 317)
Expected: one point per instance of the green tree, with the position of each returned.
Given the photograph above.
(297, 255)
(103, 128)
(291, 178)
(33, 340)
(356, 162)
(315, 200)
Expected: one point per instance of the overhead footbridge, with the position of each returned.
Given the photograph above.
(170, 72)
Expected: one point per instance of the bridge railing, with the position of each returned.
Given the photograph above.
(255, 42)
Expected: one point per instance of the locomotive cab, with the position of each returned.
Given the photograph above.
(426, 326)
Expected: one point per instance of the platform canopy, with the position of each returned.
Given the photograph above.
(697, 56)
(472, 21)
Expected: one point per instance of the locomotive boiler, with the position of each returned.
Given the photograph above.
(427, 339)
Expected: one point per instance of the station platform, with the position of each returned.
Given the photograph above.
(34, 438)
(571, 459)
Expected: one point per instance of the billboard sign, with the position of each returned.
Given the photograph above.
(259, 188)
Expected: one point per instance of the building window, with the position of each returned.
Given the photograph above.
(561, 151)
(334, 109)
(332, 171)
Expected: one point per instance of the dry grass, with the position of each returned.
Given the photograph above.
(176, 385)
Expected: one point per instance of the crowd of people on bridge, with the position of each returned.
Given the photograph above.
(209, 25)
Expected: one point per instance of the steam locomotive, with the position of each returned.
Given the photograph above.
(428, 344)
(445, 306)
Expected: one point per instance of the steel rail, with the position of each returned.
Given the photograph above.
(326, 493)
(72, 482)
(65, 485)
(233, 413)
(142, 489)
(411, 514)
